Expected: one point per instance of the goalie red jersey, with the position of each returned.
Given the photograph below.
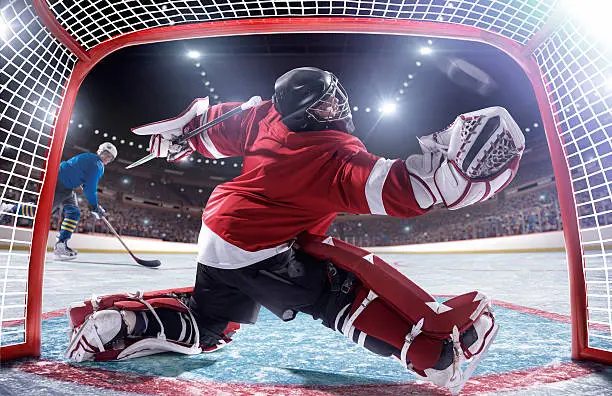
(294, 182)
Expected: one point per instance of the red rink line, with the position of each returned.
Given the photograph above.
(169, 386)
(46, 315)
(538, 312)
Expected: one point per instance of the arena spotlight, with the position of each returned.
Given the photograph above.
(126, 180)
(4, 29)
(425, 51)
(367, 109)
(407, 228)
(410, 77)
(430, 42)
(122, 141)
(193, 54)
(527, 130)
(535, 125)
(355, 108)
(388, 108)
(146, 221)
(80, 125)
(597, 23)
(131, 143)
(200, 191)
(140, 146)
(418, 63)
(96, 132)
(105, 134)
(199, 160)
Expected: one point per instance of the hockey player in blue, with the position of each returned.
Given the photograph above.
(84, 170)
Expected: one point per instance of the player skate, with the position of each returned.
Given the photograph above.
(6, 212)
(63, 252)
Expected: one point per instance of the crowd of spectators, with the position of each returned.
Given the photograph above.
(520, 213)
(528, 205)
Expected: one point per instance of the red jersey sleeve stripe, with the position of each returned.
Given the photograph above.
(210, 146)
(398, 196)
(374, 185)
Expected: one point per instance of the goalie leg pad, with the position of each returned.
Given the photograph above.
(392, 314)
(123, 326)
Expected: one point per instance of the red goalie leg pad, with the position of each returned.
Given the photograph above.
(378, 320)
(78, 312)
(401, 294)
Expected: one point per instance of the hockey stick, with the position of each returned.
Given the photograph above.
(254, 101)
(146, 263)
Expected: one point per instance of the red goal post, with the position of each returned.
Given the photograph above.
(48, 47)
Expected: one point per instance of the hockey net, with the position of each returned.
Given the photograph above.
(48, 47)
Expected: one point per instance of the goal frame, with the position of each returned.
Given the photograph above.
(87, 59)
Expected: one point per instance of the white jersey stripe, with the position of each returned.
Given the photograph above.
(205, 139)
(374, 185)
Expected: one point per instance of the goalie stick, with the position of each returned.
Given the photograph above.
(146, 263)
(254, 101)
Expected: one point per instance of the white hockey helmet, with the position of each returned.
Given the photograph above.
(108, 147)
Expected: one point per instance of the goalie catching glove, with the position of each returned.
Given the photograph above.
(468, 162)
(125, 326)
(164, 132)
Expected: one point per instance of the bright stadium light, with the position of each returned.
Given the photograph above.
(410, 76)
(407, 228)
(146, 221)
(367, 109)
(535, 125)
(388, 108)
(355, 108)
(4, 29)
(418, 63)
(105, 134)
(126, 181)
(193, 54)
(425, 51)
(597, 23)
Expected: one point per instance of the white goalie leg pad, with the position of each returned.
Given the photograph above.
(90, 338)
(107, 332)
(469, 161)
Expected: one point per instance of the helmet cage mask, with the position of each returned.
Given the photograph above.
(332, 106)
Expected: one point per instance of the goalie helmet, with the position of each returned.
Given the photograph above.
(108, 147)
(311, 99)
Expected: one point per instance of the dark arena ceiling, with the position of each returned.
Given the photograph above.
(429, 80)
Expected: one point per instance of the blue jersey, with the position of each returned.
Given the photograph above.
(83, 170)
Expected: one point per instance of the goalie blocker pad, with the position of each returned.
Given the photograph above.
(391, 308)
(163, 132)
(132, 346)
